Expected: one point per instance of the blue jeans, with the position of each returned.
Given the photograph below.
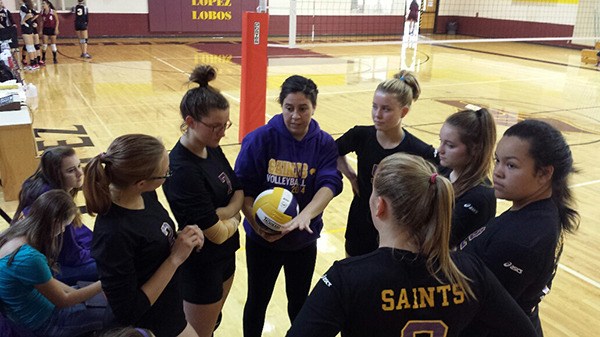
(85, 272)
(74, 321)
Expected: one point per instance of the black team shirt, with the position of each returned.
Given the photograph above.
(522, 249)
(129, 246)
(361, 236)
(390, 293)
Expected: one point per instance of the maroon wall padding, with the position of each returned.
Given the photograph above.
(102, 24)
(495, 28)
(127, 25)
(194, 16)
(159, 16)
(134, 25)
(339, 25)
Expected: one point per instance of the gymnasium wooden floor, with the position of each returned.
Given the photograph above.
(135, 86)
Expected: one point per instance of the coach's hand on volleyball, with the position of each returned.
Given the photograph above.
(187, 239)
(301, 222)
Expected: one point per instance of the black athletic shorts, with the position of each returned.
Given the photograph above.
(48, 31)
(27, 30)
(81, 25)
(10, 33)
(203, 284)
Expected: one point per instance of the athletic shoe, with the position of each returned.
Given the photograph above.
(35, 67)
(28, 68)
(82, 55)
(41, 63)
(55, 61)
(87, 56)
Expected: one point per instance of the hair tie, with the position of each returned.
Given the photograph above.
(478, 113)
(102, 156)
(402, 78)
(142, 332)
(432, 179)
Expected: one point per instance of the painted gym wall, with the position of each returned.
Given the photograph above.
(119, 6)
(587, 22)
(509, 18)
(158, 17)
(368, 17)
(104, 6)
(561, 12)
(198, 16)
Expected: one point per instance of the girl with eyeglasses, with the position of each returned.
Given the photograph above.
(135, 244)
(204, 191)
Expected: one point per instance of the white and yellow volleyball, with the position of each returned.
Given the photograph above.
(273, 208)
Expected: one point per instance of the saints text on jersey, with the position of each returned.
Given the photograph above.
(422, 297)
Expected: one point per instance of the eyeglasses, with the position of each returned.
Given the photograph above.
(217, 128)
(169, 173)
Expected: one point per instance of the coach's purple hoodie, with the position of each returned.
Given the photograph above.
(271, 157)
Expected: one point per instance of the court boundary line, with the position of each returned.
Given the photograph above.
(170, 65)
(518, 57)
(579, 276)
(87, 103)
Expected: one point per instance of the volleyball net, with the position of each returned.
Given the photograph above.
(306, 22)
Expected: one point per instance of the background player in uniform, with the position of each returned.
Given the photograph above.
(391, 103)
(291, 152)
(466, 152)
(81, 27)
(36, 38)
(413, 16)
(60, 168)
(412, 284)
(50, 25)
(205, 191)
(28, 17)
(135, 246)
(29, 295)
(8, 29)
(522, 245)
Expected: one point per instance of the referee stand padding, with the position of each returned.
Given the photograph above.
(590, 56)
